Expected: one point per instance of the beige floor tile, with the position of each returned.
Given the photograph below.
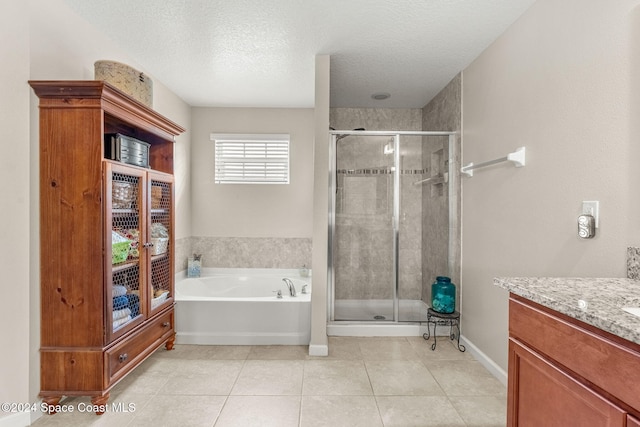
(339, 411)
(182, 351)
(387, 349)
(156, 364)
(269, 377)
(489, 411)
(123, 399)
(128, 399)
(335, 377)
(342, 348)
(279, 352)
(418, 411)
(204, 377)
(445, 349)
(401, 378)
(205, 352)
(43, 420)
(465, 378)
(227, 352)
(260, 411)
(144, 382)
(119, 412)
(206, 367)
(179, 411)
(281, 385)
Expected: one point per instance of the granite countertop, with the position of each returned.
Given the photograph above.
(596, 301)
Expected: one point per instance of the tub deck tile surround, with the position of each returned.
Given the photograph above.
(595, 301)
(251, 252)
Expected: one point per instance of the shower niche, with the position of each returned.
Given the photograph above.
(384, 191)
(439, 173)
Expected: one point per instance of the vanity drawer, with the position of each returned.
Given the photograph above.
(122, 357)
(592, 355)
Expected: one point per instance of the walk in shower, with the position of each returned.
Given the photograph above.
(393, 221)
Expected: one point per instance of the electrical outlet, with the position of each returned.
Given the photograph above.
(592, 208)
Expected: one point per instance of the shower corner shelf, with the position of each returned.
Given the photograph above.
(518, 158)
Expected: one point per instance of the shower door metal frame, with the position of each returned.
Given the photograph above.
(452, 170)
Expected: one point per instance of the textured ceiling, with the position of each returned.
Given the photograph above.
(261, 53)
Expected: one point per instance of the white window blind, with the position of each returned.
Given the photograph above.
(251, 158)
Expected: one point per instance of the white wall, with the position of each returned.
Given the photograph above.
(47, 41)
(64, 46)
(559, 82)
(15, 235)
(319, 341)
(252, 210)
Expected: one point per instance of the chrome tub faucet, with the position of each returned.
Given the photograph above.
(292, 289)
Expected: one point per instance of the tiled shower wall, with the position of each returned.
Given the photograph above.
(364, 206)
(443, 113)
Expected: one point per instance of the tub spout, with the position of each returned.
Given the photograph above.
(289, 283)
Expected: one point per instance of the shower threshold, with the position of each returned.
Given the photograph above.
(379, 310)
(370, 318)
(370, 329)
(357, 318)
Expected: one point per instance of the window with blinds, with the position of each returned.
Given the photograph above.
(251, 158)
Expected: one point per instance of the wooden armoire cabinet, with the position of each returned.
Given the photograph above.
(106, 237)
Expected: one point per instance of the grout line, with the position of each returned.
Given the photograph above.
(215, 421)
(378, 408)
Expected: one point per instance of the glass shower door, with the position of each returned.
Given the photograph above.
(363, 240)
(392, 214)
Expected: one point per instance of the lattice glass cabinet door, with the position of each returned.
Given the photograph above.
(161, 234)
(124, 248)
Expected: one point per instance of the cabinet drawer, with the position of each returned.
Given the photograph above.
(132, 350)
(566, 402)
(594, 357)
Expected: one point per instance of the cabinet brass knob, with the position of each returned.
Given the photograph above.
(123, 357)
(166, 324)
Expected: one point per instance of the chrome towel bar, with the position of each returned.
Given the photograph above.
(517, 157)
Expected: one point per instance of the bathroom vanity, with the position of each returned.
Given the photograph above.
(574, 353)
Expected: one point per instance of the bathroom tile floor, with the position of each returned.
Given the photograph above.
(395, 381)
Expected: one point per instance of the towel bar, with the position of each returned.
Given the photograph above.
(517, 157)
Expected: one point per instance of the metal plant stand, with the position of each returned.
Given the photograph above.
(451, 319)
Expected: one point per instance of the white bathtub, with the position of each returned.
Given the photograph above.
(239, 307)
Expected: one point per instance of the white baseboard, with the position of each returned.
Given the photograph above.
(318, 350)
(248, 338)
(21, 419)
(487, 362)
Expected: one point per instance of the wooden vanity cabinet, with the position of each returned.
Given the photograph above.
(101, 316)
(563, 372)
